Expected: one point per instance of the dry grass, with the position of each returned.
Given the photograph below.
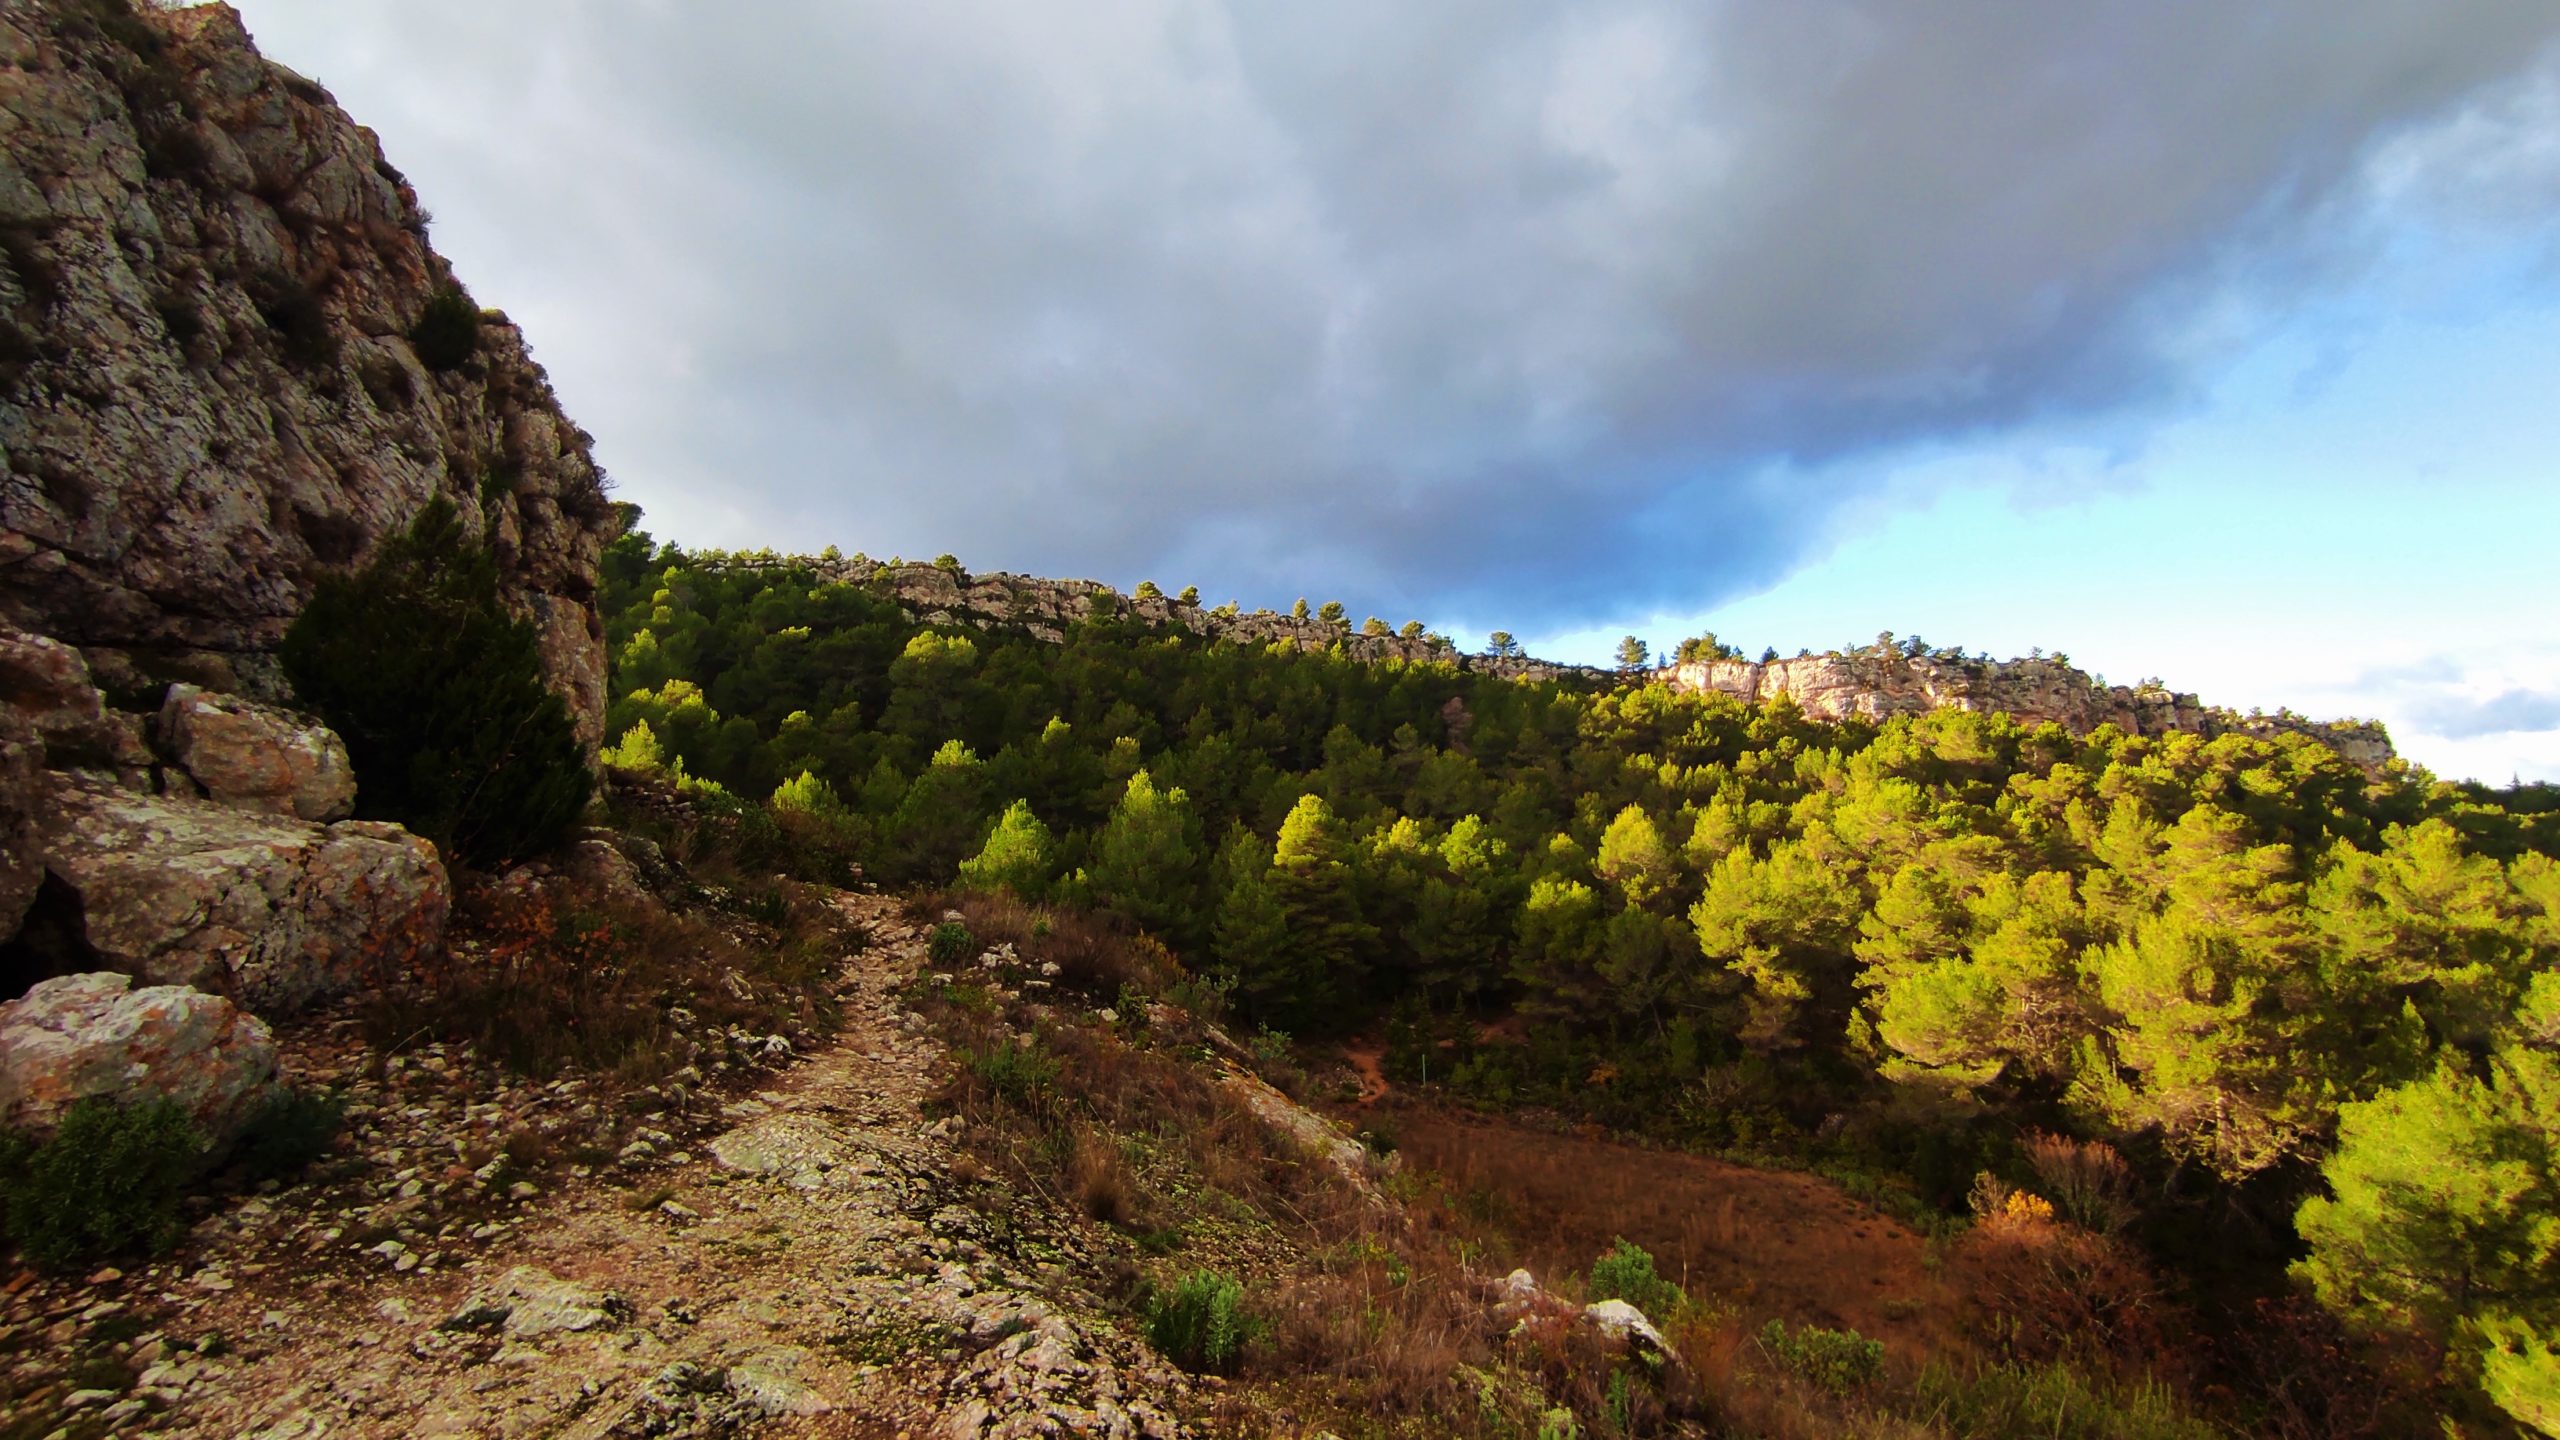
(548, 978)
(1769, 1242)
(2042, 1289)
(1366, 1320)
(1098, 1176)
(1097, 956)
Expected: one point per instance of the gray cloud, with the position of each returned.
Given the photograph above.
(2508, 713)
(1426, 305)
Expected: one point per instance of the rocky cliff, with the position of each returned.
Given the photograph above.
(1879, 685)
(209, 391)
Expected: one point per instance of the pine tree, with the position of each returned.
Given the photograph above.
(941, 815)
(1016, 856)
(1145, 860)
(1783, 925)
(1633, 856)
(438, 693)
(1250, 933)
(1311, 881)
(2439, 1219)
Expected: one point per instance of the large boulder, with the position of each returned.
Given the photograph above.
(255, 756)
(275, 912)
(45, 685)
(81, 1037)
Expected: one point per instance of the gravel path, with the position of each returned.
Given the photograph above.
(811, 1263)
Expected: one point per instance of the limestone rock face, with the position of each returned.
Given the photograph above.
(1878, 686)
(208, 396)
(273, 911)
(77, 1037)
(255, 756)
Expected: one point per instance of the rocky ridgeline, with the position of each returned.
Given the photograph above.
(1045, 608)
(1878, 686)
(209, 396)
(1836, 686)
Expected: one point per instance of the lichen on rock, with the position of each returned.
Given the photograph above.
(274, 911)
(99, 1037)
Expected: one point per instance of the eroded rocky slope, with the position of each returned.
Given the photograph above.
(209, 394)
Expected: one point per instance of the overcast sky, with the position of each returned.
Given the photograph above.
(2214, 342)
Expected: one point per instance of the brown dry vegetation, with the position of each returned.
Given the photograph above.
(547, 976)
(1376, 1313)
(1366, 1317)
(1771, 1242)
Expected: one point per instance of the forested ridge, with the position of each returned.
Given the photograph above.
(2315, 1007)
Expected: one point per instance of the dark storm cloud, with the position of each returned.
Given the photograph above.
(1579, 307)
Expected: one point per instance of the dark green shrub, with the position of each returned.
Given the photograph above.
(286, 1132)
(1627, 1273)
(1837, 1360)
(108, 1181)
(448, 330)
(1200, 1323)
(438, 693)
(950, 943)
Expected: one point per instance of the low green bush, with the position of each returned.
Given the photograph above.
(1015, 1070)
(108, 1181)
(1836, 1360)
(950, 943)
(1199, 1324)
(439, 695)
(448, 330)
(1626, 1273)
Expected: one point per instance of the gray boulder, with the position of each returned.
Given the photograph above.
(255, 756)
(45, 685)
(81, 1037)
(272, 911)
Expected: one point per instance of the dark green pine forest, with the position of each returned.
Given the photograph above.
(2316, 1008)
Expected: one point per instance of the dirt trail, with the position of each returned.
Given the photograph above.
(809, 1272)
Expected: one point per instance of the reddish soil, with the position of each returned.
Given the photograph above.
(1368, 1061)
(1773, 1242)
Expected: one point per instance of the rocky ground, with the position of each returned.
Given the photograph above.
(811, 1257)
